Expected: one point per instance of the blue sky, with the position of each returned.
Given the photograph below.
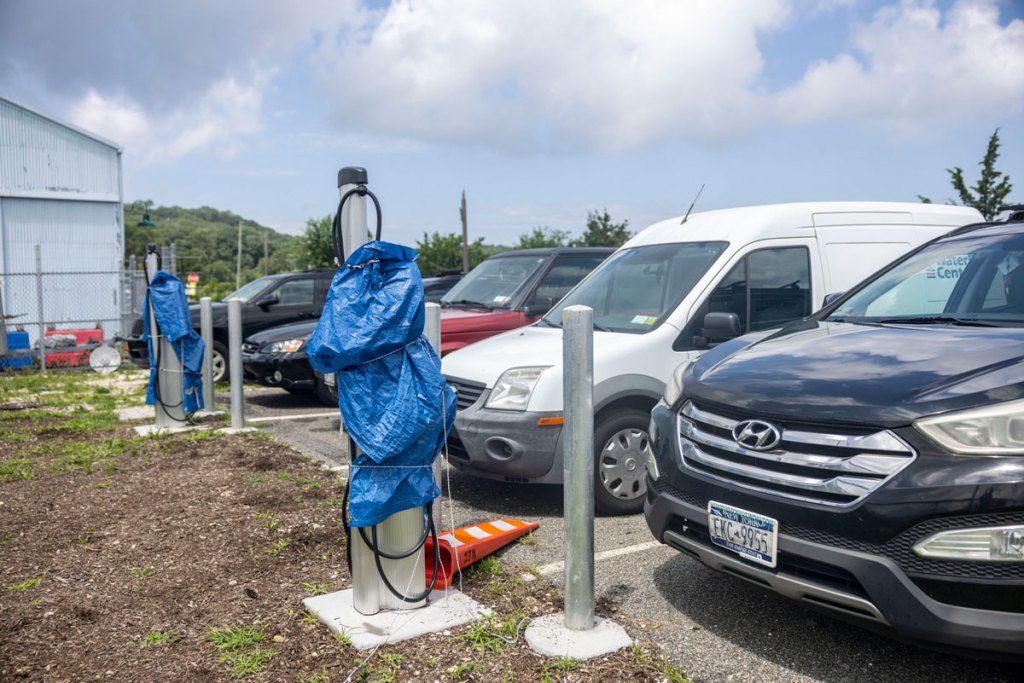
(540, 110)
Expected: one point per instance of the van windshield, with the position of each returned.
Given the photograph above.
(968, 281)
(493, 283)
(636, 288)
(250, 289)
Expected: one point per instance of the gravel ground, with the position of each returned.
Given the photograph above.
(714, 627)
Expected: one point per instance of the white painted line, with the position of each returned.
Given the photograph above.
(556, 567)
(280, 418)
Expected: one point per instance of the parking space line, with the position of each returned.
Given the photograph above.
(556, 567)
(305, 416)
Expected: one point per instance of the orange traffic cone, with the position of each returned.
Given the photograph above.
(462, 547)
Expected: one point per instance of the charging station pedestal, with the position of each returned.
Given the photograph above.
(169, 411)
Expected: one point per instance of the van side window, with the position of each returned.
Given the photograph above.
(766, 289)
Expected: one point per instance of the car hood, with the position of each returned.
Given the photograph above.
(486, 360)
(294, 331)
(862, 374)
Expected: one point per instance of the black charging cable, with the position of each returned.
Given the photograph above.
(337, 238)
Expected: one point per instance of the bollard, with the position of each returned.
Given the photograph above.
(206, 332)
(235, 363)
(432, 330)
(578, 455)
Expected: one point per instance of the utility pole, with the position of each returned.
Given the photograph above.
(465, 234)
(238, 266)
(266, 254)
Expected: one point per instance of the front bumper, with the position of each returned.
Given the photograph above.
(506, 445)
(973, 608)
(287, 370)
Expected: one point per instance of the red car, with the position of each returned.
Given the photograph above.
(512, 289)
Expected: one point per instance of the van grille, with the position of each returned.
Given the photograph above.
(466, 393)
(834, 467)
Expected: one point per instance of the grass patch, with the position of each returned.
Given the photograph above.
(316, 588)
(230, 638)
(17, 470)
(459, 672)
(660, 664)
(142, 572)
(277, 547)
(158, 638)
(26, 584)
(488, 567)
(491, 635)
(270, 522)
(242, 664)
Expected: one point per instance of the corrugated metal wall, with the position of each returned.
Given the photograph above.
(40, 155)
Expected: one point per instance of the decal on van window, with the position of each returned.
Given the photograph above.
(643, 320)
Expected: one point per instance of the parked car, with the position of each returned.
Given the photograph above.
(277, 358)
(869, 460)
(504, 291)
(266, 302)
(766, 264)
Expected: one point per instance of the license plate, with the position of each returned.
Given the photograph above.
(745, 533)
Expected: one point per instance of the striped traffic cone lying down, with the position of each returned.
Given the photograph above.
(460, 548)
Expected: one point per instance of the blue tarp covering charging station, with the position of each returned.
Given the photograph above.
(394, 401)
(170, 307)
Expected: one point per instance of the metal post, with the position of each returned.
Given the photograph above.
(465, 234)
(578, 398)
(432, 331)
(3, 326)
(169, 411)
(174, 259)
(39, 309)
(165, 257)
(235, 363)
(206, 331)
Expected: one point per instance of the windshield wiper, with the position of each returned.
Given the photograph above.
(469, 302)
(938, 320)
(602, 328)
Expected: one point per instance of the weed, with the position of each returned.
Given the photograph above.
(109, 467)
(103, 485)
(316, 588)
(297, 499)
(496, 587)
(26, 584)
(324, 555)
(17, 470)
(342, 636)
(389, 669)
(244, 664)
(142, 572)
(533, 570)
(277, 547)
(37, 602)
(659, 664)
(309, 617)
(319, 677)
(159, 638)
(486, 636)
(430, 662)
(270, 523)
(460, 671)
(255, 480)
(230, 638)
(488, 566)
(529, 539)
(330, 502)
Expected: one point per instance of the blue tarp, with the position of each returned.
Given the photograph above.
(394, 401)
(170, 307)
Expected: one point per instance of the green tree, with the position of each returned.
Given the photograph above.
(439, 253)
(601, 232)
(991, 189)
(316, 248)
(543, 237)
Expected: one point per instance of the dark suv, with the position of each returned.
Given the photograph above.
(867, 460)
(266, 302)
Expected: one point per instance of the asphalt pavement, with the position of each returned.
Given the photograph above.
(712, 626)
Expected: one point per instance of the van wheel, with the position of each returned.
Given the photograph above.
(621, 449)
(220, 362)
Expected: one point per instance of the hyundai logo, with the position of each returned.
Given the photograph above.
(756, 435)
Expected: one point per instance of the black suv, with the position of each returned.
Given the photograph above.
(869, 459)
(266, 302)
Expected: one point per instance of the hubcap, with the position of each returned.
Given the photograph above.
(623, 464)
(220, 367)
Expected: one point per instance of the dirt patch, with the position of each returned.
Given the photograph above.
(125, 558)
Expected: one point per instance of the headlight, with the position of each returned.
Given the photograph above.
(674, 387)
(289, 346)
(993, 430)
(512, 390)
(989, 544)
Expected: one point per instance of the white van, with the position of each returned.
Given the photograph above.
(765, 265)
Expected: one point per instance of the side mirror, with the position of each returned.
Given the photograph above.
(829, 298)
(539, 306)
(721, 326)
(267, 301)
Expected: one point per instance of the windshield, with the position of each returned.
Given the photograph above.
(635, 288)
(493, 283)
(250, 289)
(977, 280)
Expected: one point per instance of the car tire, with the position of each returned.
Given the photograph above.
(621, 448)
(325, 393)
(220, 363)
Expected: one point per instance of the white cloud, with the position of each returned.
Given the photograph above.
(917, 66)
(122, 121)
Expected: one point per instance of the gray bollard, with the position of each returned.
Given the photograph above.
(206, 332)
(578, 393)
(235, 363)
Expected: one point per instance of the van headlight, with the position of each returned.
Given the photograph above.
(513, 389)
(986, 544)
(674, 387)
(993, 430)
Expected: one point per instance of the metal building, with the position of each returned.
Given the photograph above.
(60, 191)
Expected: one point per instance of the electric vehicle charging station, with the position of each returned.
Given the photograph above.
(386, 556)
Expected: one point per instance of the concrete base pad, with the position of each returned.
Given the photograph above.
(549, 636)
(444, 610)
(153, 430)
(139, 413)
(233, 430)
